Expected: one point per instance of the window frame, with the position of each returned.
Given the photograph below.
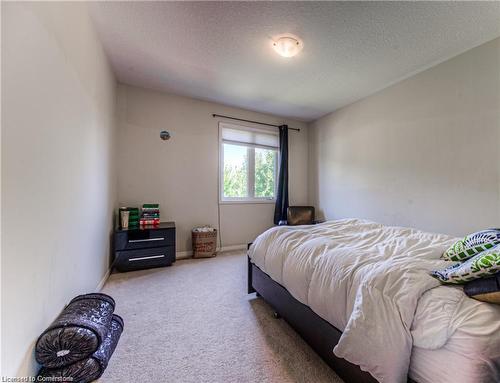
(251, 198)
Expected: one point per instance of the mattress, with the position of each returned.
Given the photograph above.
(372, 282)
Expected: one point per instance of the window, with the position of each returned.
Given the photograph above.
(248, 164)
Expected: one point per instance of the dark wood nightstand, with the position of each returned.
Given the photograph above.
(145, 247)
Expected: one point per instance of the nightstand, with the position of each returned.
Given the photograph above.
(145, 247)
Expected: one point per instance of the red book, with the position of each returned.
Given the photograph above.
(155, 221)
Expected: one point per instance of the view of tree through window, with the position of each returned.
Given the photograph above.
(237, 181)
(235, 171)
(265, 162)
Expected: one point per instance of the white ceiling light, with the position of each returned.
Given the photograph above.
(287, 45)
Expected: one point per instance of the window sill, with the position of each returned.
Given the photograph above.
(248, 202)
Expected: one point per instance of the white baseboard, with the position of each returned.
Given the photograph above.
(189, 254)
(183, 254)
(103, 281)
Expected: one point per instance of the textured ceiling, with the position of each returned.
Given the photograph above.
(221, 51)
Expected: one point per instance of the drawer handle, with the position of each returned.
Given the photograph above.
(143, 258)
(145, 240)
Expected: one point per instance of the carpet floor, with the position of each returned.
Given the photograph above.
(194, 322)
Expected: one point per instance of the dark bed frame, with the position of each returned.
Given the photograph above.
(317, 332)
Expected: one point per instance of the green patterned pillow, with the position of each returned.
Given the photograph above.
(482, 265)
(472, 245)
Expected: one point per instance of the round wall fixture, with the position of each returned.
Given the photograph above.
(287, 45)
(164, 135)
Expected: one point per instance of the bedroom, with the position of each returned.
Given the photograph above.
(385, 121)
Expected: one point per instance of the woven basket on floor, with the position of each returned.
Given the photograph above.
(204, 244)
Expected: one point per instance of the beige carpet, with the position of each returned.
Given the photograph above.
(194, 322)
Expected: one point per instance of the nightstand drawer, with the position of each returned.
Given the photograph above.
(141, 239)
(144, 258)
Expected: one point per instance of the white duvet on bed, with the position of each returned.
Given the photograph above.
(461, 337)
(366, 279)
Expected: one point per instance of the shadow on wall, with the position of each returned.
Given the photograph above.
(320, 215)
(115, 225)
(29, 363)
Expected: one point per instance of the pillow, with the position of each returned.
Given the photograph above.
(481, 265)
(472, 245)
(485, 290)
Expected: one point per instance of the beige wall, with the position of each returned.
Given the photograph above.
(422, 153)
(58, 178)
(181, 174)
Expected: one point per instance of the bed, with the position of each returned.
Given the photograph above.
(361, 295)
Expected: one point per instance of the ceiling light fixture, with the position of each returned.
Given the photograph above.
(287, 45)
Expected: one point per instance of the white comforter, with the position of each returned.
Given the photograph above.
(366, 280)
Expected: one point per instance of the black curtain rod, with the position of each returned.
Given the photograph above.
(253, 122)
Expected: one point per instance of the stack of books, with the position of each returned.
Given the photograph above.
(150, 214)
(133, 218)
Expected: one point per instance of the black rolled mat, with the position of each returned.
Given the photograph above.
(77, 332)
(89, 369)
